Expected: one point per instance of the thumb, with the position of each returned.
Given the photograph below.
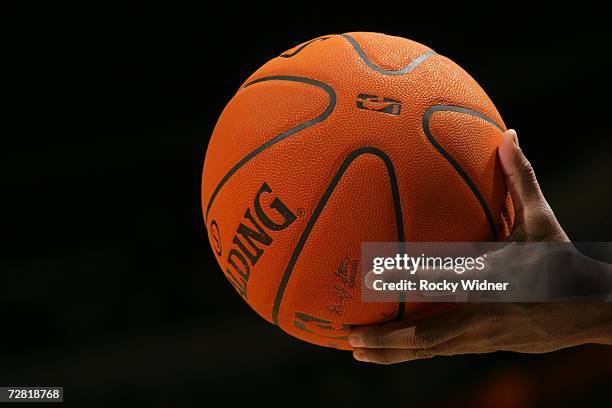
(520, 177)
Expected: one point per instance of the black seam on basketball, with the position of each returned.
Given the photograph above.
(321, 205)
(332, 104)
(301, 47)
(453, 162)
(413, 64)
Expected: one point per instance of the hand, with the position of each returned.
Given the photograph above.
(484, 328)
(534, 219)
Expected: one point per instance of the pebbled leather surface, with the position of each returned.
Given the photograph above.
(436, 204)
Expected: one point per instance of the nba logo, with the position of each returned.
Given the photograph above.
(379, 104)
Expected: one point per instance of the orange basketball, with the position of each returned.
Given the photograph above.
(344, 139)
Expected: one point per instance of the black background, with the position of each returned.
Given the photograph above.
(109, 287)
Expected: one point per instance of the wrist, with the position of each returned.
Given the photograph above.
(597, 323)
(585, 278)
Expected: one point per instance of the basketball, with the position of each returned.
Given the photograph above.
(344, 139)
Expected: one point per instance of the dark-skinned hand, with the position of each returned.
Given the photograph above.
(488, 327)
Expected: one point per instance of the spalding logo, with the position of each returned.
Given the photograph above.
(241, 256)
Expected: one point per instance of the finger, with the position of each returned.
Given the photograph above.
(520, 177)
(394, 356)
(391, 356)
(424, 333)
(475, 342)
(481, 341)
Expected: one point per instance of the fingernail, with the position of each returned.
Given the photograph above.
(514, 136)
(360, 355)
(355, 340)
